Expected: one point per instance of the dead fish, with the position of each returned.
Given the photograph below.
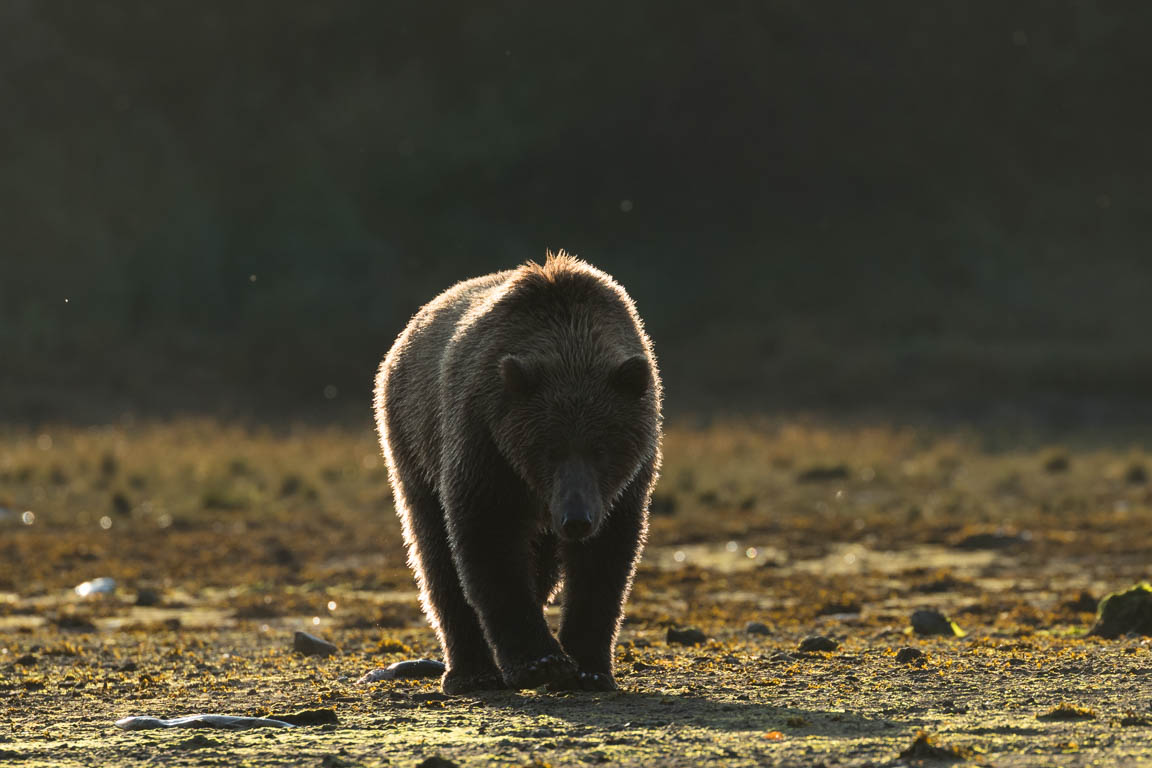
(225, 722)
(405, 669)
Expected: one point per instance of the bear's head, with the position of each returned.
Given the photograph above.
(577, 434)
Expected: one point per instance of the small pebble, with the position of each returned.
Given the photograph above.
(687, 636)
(147, 597)
(997, 540)
(757, 628)
(818, 644)
(824, 473)
(909, 655)
(310, 645)
(436, 762)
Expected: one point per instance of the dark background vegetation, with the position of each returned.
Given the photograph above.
(232, 208)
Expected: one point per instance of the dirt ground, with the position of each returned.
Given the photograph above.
(224, 541)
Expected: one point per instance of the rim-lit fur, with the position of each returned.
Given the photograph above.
(509, 402)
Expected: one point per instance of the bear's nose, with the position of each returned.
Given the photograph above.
(578, 528)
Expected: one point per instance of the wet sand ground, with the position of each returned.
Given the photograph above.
(223, 542)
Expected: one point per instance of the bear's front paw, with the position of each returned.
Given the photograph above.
(457, 683)
(554, 669)
(597, 681)
(588, 681)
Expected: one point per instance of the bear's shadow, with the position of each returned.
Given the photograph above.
(613, 711)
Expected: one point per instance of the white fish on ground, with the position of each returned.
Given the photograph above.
(225, 722)
(100, 586)
(405, 669)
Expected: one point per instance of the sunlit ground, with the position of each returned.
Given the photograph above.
(222, 541)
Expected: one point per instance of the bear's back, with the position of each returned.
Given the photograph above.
(408, 383)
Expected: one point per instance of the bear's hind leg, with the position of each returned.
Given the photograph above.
(466, 653)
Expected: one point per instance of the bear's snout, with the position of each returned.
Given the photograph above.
(576, 506)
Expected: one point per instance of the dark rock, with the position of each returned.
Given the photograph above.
(1084, 603)
(309, 717)
(935, 623)
(997, 540)
(909, 655)
(276, 552)
(830, 609)
(121, 505)
(291, 484)
(1067, 712)
(73, 623)
(818, 644)
(757, 628)
(687, 636)
(824, 473)
(27, 660)
(310, 645)
(147, 597)
(436, 762)
(1057, 464)
(1124, 612)
(1137, 474)
(925, 747)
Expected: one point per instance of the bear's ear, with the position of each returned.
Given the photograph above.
(632, 377)
(520, 378)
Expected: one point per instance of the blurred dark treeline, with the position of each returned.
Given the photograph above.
(232, 208)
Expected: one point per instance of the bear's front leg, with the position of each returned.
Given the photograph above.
(597, 579)
(497, 572)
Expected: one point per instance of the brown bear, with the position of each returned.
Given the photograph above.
(520, 417)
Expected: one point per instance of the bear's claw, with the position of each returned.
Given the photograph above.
(588, 681)
(597, 681)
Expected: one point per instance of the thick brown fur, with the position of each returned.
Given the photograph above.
(520, 416)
